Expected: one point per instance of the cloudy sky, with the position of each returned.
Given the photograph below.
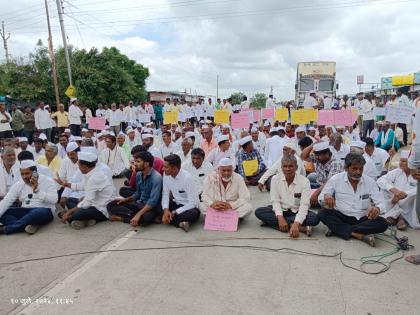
(250, 44)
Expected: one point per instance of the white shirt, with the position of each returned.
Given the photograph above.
(398, 179)
(115, 159)
(114, 117)
(98, 191)
(182, 191)
(274, 149)
(379, 158)
(5, 126)
(269, 103)
(42, 119)
(246, 104)
(130, 113)
(184, 158)
(366, 110)
(341, 154)
(7, 179)
(328, 103)
(165, 150)
(62, 153)
(285, 197)
(198, 174)
(259, 145)
(353, 136)
(310, 102)
(67, 169)
(100, 113)
(216, 155)
(276, 168)
(349, 202)
(46, 197)
(75, 115)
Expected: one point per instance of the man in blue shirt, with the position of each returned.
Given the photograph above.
(143, 207)
(248, 153)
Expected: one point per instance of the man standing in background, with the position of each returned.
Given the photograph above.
(17, 121)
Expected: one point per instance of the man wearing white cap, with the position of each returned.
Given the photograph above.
(290, 196)
(251, 165)
(9, 170)
(23, 144)
(326, 166)
(310, 100)
(38, 196)
(131, 138)
(148, 140)
(208, 143)
(182, 209)
(224, 190)
(75, 118)
(274, 147)
(185, 152)
(98, 192)
(352, 203)
(289, 149)
(69, 165)
(223, 151)
(399, 195)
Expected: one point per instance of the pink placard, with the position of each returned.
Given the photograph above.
(343, 117)
(240, 120)
(268, 113)
(250, 114)
(226, 221)
(325, 117)
(96, 123)
(257, 114)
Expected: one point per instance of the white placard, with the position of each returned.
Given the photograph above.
(144, 118)
(181, 117)
(399, 114)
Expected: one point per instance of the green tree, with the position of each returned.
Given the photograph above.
(107, 76)
(258, 100)
(237, 98)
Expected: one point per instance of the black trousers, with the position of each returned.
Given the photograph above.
(75, 130)
(343, 225)
(90, 213)
(268, 183)
(268, 217)
(127, 191)
(190, 215)
(72, 203)
(405, 134)
(128, 211)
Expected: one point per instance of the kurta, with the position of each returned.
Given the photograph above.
(405, 207)
(236, 194)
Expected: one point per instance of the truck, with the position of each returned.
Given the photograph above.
(318, 76)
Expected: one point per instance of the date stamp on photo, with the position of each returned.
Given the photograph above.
(42, 301)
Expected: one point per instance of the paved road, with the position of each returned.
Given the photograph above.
(197, 280)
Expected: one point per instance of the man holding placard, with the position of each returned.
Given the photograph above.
(250, 163)
(225, 190)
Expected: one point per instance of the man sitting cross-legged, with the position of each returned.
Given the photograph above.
(225, 190)
(143, 207)
(346, 198)
(290, 194)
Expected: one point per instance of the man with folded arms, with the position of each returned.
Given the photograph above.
(143, 207)
(347, 207)
(225, 190)
(37, 194)
(290, 193)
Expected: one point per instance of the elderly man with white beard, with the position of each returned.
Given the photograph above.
(225, 190)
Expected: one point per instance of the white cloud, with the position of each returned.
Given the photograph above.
(250, 52)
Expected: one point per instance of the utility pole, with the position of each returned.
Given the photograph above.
(5, 39)
(63, 34)
(217, 87)
(52, 57)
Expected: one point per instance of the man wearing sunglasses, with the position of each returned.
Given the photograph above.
(37, 195)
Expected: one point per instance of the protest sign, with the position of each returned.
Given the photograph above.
(226, 221)
(267, 113)
(256, 115)
(399, 114)
(325, 117)
(144, 118)
(281, 114)
(300, 117)
(250, 167)
(240, 120)
(97, 123)
(221, 117)
(170, 117)
(343, 117)
(182, 117)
